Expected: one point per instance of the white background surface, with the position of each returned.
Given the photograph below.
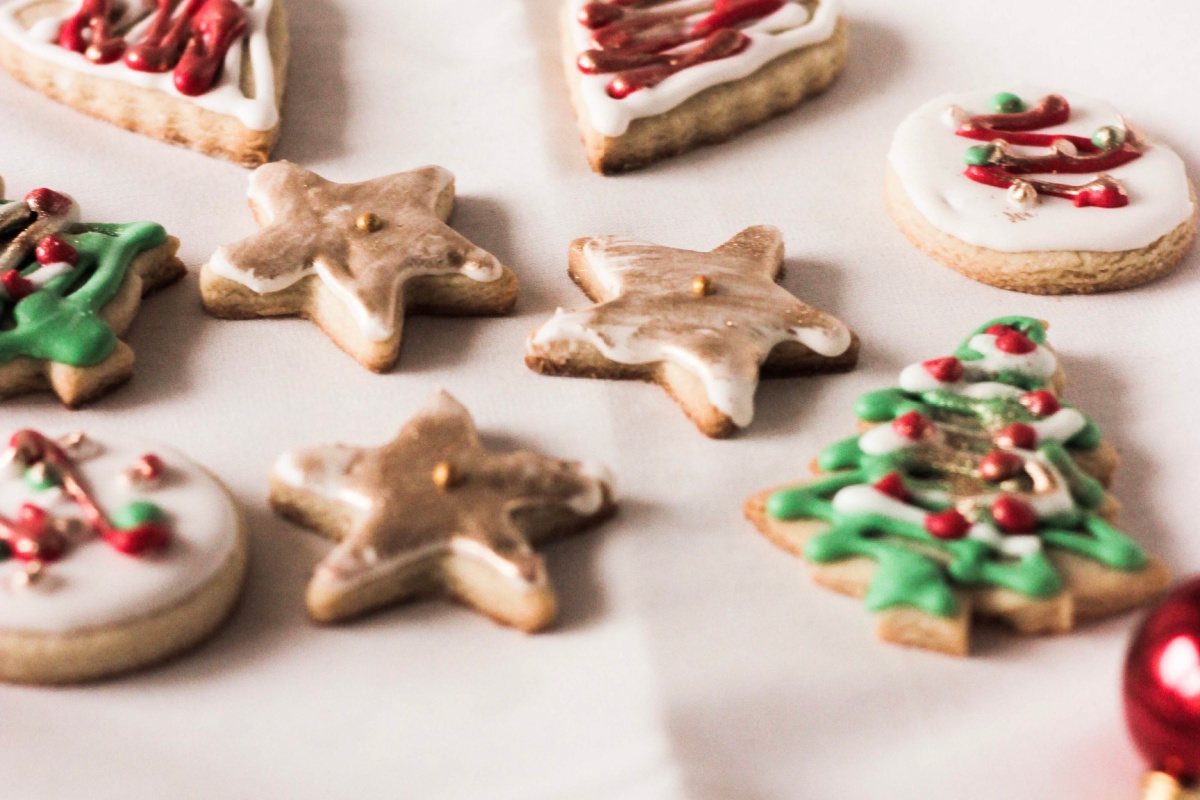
(693, 659)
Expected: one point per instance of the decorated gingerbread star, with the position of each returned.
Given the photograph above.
(352, 257)
(701, 325)
(434, 511)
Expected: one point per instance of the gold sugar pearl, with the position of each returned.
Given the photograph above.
(702, 286)
(368, 222)
(31, 574)
(444, 476)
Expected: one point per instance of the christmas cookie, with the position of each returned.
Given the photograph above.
(354, 257)
(206, 74)
(652, 78)
(435, 512)
(976, 493)
(68, 291)
(1039, 192)
(701, 325)
(114, 554)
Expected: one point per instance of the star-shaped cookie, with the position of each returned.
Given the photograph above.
(701, 325)
(353, 257)
(434, 512)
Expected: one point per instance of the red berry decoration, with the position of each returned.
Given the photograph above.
(1017, 435)
(912, 425)
(945, 370)
(948, 524)
(16, 285)
(1162, 685)
(1000, 465)
(893, 486)
(53, 250)
(998, 330)
(48, 201)
(1014, 515)
(1040, 403)
(1015, 343)
(135, 541)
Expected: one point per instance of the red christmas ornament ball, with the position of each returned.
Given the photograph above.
(1162, 684)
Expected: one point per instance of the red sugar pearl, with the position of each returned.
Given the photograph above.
(1017, 435)
(16, 285)
(53, 250)
(1014, 515)
(948, 524)
(893, 486)
(912, 425)
(48, 201)
(945, 370)
(1015, 343)
(1040, 403)
(1000, 465)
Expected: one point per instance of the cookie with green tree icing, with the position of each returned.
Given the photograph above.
(68, 291)
(974, 491)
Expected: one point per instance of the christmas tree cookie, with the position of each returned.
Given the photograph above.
(1039, 192)
(206, 74)
(354, 258)
(114, 554)
(435, 512)
(652, 78)
(68, 291)
(973, 492)
(701, 325)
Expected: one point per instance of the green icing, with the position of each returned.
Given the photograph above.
(137, 513)
(61, 321)
(1007, 103)
(914, 567)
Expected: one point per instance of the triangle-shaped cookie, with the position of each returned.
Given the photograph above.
(205, 74)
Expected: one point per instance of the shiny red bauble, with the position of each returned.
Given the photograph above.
(1162, 684)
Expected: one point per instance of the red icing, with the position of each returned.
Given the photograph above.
(192, 37)
(1000, 465)
(1015, 343)
(1013, 515)
(948, 524)
(1017, 435)
(48, 201)
(893, 486)
(1040, 403)
(53, 250)
(912, 425)
(944, 370)
(1017, 129)
(636, 43)
(16, 286)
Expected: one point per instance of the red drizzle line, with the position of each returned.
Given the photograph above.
(1082, 155)
(633, 40)
(190, 36)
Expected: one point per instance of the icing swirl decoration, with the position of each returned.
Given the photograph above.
(975, 478)
(435, 509)
(193, 50)
(641, 58)
(717, 316)
(1027, 140)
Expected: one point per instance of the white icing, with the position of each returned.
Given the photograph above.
(328, 475)
(881, 440)
(789, 28)
(863, 499)
(588, 501)
(928, 158)
(1059, 426)
(1038, 363)
(259, 113)
(95, 585)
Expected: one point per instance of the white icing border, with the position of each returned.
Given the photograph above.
(612, 117)
(260, 113)
(927, 156)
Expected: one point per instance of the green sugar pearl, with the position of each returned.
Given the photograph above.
(978, 156)
(1007, 103)
(41, 478)
(137, 513)
(1109, 137)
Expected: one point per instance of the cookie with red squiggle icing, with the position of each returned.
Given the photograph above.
(206, 74)
(1039, 192)
(114, 554)
(652, 78)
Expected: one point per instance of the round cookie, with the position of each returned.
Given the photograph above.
(115, 554)
(1039, 192)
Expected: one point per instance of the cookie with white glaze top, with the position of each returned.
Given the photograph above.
(703, 326)
(205, 74)
(114, 554)
(434, 512)
(1039, 192)
(69, 291)
(354, 258)
(975, 492)
(653, 78)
